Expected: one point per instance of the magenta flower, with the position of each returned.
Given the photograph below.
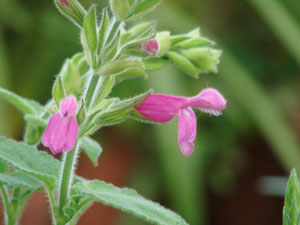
(61, 132)
(163, 108)
(151, 47)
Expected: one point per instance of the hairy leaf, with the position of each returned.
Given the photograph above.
(120, 8)
(26, 106)
(130, 201)
(103, 29)
(58, 91)
(90, 41)
(184, 63)
(29, 160)
(121, 67)
(92, 149)
(19, 179)
(142, 7)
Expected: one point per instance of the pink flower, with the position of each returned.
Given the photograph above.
(151, 47)
(61, 132)
(163, 108)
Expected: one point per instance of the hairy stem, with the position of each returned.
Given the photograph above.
(115, 26)
(89, 96)
(6, 203)
(52, 203)
(81, 208)
(66, 180)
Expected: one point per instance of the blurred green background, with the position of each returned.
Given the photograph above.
(229, 179)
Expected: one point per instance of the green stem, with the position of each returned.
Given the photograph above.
(89, 96)
(66, 180)
(23, 198)
(113, 31)
(6, 204)
(81, 208)
(52, 203)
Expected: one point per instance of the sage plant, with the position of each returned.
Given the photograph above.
(81, 104)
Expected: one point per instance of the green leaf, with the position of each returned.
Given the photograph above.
(116, 114)
(104, 88)
(3, 167)
(175, 39)
(104, 105)
(120, 8)
(134, 72)
(120, 111)
(112, 113)
(73, 15)
(164, 40)
(26, 106)
(89, 127)
(194, 42)
(142, 7)
(58, 91)
(33, 134)
(89, 37)
(92, 149)
(103, 31)
(18, 179)
(155, 63)
(207, 59)
(81, 115)
(130, 201)
(112, 50)
(137, 116)
(34, 130)
(35, 121)
(138, 35)
(184, 63)
(291, 209)
(81, 64)
(29, 160)
(70, 77)
(194, 33)
(132, 67)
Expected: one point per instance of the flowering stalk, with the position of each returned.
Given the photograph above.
(90, 93)
(111, 54)
(69, 162)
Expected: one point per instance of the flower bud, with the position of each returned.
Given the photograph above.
(151, 46)
(62, 129)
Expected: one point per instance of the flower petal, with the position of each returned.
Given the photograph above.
(209, 101)
(61, 133)
(151, 46)
(57, 142)
(51, 128)
(68, 106)
(160, 108)
(187, 130)
(71, 135)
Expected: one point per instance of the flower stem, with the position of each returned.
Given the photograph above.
(66, 180)
(89, 96)
(6, 203)
(52, 203)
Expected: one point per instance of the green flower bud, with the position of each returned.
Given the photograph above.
(164, 40)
